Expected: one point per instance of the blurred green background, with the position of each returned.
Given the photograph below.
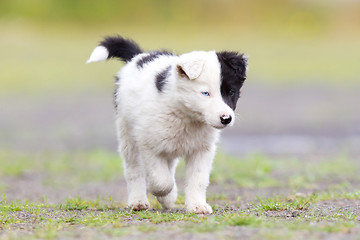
(44, 43)
(303, 77)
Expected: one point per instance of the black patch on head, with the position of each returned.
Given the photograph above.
(161, 78)
(151, 56)
(233, 75)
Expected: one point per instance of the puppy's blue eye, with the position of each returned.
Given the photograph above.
(205, 94)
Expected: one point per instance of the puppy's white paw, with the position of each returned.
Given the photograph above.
(168, 201)
(199, 208)
(139, 205)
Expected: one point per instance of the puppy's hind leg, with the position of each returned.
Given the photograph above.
(133, 170)
(168, 201)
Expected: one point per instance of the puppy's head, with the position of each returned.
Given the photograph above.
(209, 85)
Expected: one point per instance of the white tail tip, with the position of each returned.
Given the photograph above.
(100, 53)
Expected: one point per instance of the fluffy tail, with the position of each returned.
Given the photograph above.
(115, 47)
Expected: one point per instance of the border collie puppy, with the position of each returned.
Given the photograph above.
(171, 107)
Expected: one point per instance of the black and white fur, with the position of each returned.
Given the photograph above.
(168, 107)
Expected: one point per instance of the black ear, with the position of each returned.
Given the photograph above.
(235, 61)
(233, 73)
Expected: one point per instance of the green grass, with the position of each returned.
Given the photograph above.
(251, 171)
(78, 204)
(299, 203)
(294, 202)
(75, 168)
(54, 221)
(16, 164)
(287, 215)
(260, 171)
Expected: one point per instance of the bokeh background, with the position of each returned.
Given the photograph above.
(289, 167)
(301, 95)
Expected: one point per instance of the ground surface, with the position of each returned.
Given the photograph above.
(294, 174)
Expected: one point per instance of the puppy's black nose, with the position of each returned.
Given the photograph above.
(225, 119)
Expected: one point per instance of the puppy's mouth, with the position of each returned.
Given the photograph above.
(219, 126)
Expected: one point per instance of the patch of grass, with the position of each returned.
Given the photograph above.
(251, 171)
(164, 217)
(106, 218)
(338, 226)
(16, 164)
(279, 234)
(290, 203)
(77, 204)
(118, 232)
(277, 204)
(339, 165)
(242, 220)
(49, 222)
(339, 168)
(63, 169)
(331, 195)
(94, 166)
(260, 171)
(154, 203)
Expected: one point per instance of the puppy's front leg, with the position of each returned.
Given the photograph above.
(160, 182)
(198, 169)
